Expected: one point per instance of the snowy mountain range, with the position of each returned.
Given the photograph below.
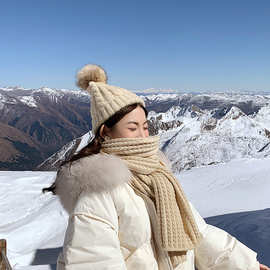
(195, 138)
(204, 140)
(36, 123)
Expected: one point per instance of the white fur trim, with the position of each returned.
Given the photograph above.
(95, 173)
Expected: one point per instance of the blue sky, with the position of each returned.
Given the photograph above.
(215, 45)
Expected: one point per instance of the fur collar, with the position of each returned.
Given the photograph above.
(94, 173)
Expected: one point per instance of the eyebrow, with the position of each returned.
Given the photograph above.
(136, 123)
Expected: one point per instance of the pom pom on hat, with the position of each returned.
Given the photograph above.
(90, 73)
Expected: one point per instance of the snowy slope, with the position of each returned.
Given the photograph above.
(236, 186)
(235, 123)
(31, 97)
(203, 140)
(29, 220)
(263, 116)
(71, 148)
(84, 140)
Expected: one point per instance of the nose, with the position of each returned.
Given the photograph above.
(143, 133)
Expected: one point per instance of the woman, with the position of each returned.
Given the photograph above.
(127, 210)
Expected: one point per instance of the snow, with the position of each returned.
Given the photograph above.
(29, 219)
(231, 97)
(236, 186)
(236, 123)
(160, 97)
(234, 136)
(170, 115)
(224, 97)
(263, 117)
(7, 89)
(62, 154)
(155, 91)
(7, 100)
(48, 90)
(85, 139)
(28, 100)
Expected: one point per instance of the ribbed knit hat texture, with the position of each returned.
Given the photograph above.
(106, 99)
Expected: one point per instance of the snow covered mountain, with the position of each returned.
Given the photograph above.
(205, 140)
(53, 162)
(195, 138)
(263, 116)
(39, 122)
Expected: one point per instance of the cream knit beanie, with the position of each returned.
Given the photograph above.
(106, 99)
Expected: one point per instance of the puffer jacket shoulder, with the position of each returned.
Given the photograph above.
(94, 174)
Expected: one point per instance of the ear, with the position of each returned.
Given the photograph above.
(104, 131)
(101, 131)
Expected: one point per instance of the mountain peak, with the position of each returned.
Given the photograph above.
(234, 113)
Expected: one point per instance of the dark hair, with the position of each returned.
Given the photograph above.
(95, 145)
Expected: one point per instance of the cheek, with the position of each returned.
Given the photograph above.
(129, 134)
(123, 133)
(126, 133)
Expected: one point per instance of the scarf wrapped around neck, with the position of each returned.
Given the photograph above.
(175, 228)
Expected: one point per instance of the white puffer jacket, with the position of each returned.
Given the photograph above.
(109, 227)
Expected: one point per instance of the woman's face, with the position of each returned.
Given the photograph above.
(132, 125)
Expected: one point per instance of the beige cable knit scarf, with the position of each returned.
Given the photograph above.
(177, 229)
